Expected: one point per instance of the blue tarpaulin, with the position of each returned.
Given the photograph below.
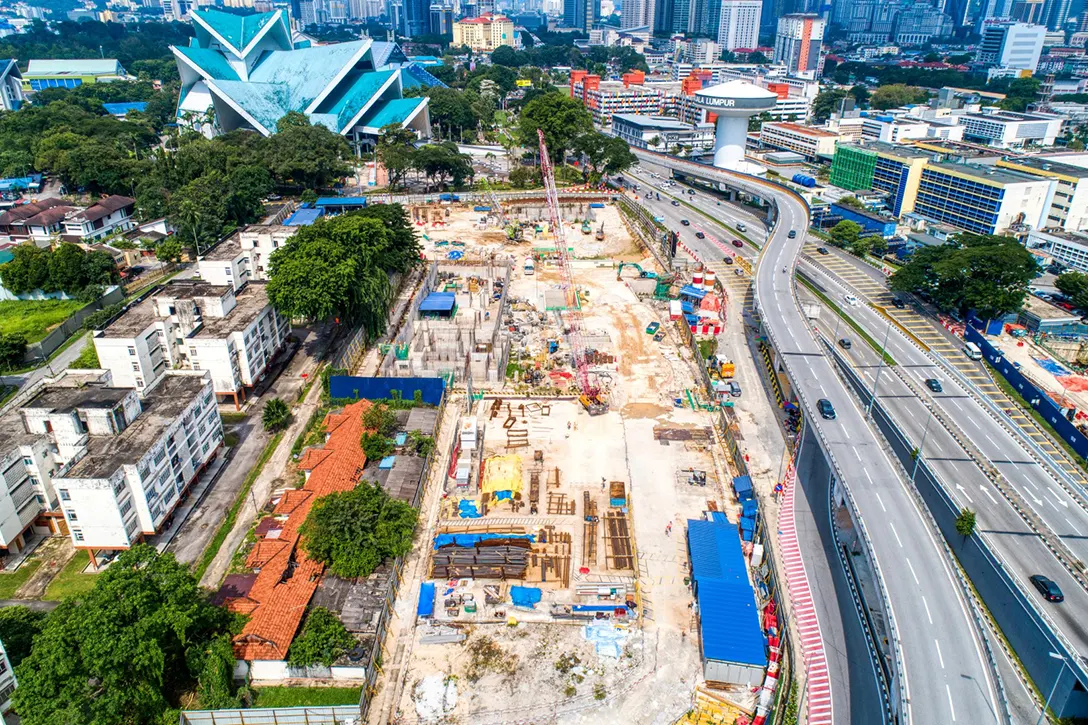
(120, 109)
(596, 607)
(341, 202)
(606, 639)
(304, 217)
(466, 509)
(354, 387)
(524, 597)
(387, 463)
(426, 600)
(400, 438)
(692, 291)
(470, 540)
(596, 205)
(687, 307)
(504, 495)
(438, 302)
(20, 182)
(742, 486)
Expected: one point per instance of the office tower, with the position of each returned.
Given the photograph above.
(798, 44)
(1055, 13)
(582, 14)
(485, 7)
(441, 19)
(663, 12)
(637, 14)
(959, 11)
(417, 18)
(1012, 45)
(681, 16)
(1027, 11)
(739, 24)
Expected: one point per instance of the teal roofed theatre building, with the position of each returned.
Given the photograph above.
(243, 72)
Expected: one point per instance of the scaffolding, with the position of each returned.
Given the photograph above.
(852, 168)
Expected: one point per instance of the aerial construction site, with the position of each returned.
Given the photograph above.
(584, 470)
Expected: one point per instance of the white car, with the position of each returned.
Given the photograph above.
(850, 300)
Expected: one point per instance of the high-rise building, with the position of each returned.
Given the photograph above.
(798, 44)
(738, 26)
(637, 14)
(1012, 45)
(416, 18)
(441, 19)
(484, 33)
(581, 14)
(681, 15)
(920, 24)
(1027, 11)
(663, 12)
(1055, 13)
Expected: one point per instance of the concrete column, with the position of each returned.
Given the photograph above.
(729, 139)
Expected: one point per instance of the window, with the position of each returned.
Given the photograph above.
(72, 516)
(136, 366)
(77, 534)
(64, 495)
(28, 461)
(126, 507)
(131, 350)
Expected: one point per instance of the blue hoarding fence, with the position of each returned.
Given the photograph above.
(355, 388)
(1038, 400)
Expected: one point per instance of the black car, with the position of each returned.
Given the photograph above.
(691, 191)
(675, 202)
(727, 260)
(793, 234)
(845, 343)
(827, 410)
(1050, 591)
(685, 222)
(899, 304)
(935, 385)
(822, 250)
(700, 235)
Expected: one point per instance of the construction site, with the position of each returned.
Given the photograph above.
(553, 575)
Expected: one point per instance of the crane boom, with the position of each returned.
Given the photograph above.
(574, 321)
(495, 205)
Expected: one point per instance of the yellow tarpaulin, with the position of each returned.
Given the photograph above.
(502, 473)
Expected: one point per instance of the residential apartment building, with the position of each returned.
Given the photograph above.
(11, 86)
(892, 130)
(244, 255)
(798, 44)
(811, 143)
(738, 24)
(699, 51)
(983, 199)
(1012, 45)
(8, 682)
(228, 329)
(1069, 206)
(128, 459)
(1006, 129)
(605, 99)
(484, 33)
(661, 133)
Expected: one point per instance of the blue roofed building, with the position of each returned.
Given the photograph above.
(11, 86)
(244, 72)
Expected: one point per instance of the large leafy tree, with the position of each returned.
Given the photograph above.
(323, 640)
(340, 267)
(123, 652)
(396, 152)
(304, 154)
(1074, 285)
(897, 94)
(353, 532)
(199, 210)
(826, 103)
(985, 273)
(18, 628)
(68, 269)
(561, 118)
(441, 162)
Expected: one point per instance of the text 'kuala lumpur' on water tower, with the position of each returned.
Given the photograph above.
(734, 103)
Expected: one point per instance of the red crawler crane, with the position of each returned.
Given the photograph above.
(591, 398)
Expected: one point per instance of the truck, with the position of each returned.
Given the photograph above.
(803, 180)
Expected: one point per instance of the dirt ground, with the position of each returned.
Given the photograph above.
(655, 677)
(1073, 387)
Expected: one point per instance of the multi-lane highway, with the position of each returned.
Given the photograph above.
(945, 677)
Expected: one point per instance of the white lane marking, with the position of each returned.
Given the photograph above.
(892, 526)
(926, 605)
(847, 434)
(940, 657)
(857, 455)
(988, 494)
(870, 481)
(1031, 484)
(951, 707)
(911, 567)
(910, 412)
(1052, 505)
(1073, 527)
(991, 440)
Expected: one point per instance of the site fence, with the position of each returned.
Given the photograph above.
(41, 350)
(337, 715)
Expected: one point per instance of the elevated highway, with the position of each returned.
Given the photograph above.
(940, 674)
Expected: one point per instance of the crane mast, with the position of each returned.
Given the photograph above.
(591, 397)
(495, 205)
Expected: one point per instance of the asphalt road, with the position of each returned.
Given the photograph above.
(945, 676)
(1020, 548)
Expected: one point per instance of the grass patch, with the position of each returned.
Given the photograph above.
(230, 440)
(87, 360)
(233, 417)
(888, 359)
(232, 513)
(305, 696)
(313, 433)
(71, 581)
(34, 319)
(7, 392)
(11, 581)
(1014, 395)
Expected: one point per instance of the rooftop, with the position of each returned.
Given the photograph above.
(1046, 311)
(228, 249)
(1009, 117)
(74, 67)
(989, 174)
(1049, 165)
(141, 315)
(250, 301)
(67, 400)
(161, 406)
(806, 130)
(654, 122)
(104, 207)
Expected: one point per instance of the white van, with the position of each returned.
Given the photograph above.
(530, 266)
(971, 350)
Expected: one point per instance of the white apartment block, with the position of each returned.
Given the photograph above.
(1012, 45)
(700, 51)
(1069, 248)
(891, 130)
(28, 500)
(809, 142)
(228, 329)
(738, 25)
(1069, 206)
(1011, 130)
(136, 458)
(244, 255)
(7, 680)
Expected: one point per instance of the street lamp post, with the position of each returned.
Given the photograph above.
(1046, 705)
(880, 369)
(918, 457)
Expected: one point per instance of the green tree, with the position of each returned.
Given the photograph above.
(323, 640)
(845, 233)
(861, 246)
(308, 196)
(965, 523)
(304, 154)
(851, 201)
(522, 177)
(507, 56)
(124, 651)
(826, 103)
(895, 95)
(758, 58)
(755, 123)
(561, 118)
(380, 419)
(396, 152)
(1020, 93)
(1074, 285)
(18, 628)
(984, 273)
(860, 94)
(248, 185)
(276, 415)
(353, 532)
(12, 350)
(442, 161)
(199, 210)
(168, 250)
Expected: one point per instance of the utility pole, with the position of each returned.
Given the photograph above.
(880, 369)
(918, 456)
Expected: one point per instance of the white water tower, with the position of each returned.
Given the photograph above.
(734, 103)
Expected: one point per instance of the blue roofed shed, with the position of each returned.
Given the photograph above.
(438, 304)
(340, 204)
(426, 600)
(304, 217)
(733, 646)
(121, 109)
